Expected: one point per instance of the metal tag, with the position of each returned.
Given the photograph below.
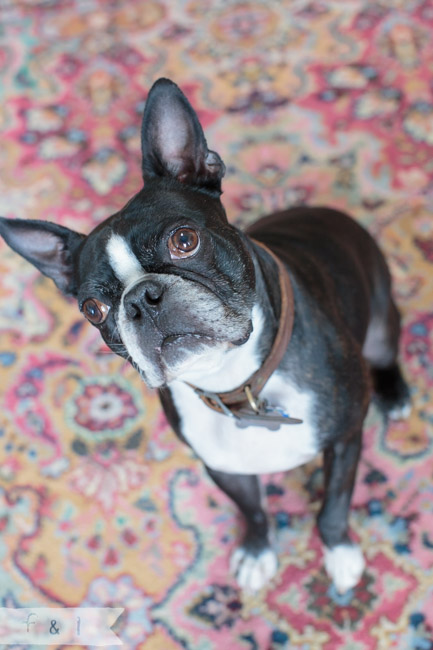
(270, 417)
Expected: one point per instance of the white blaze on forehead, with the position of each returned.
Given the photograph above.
(124, 263)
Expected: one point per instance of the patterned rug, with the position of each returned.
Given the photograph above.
(306, 101)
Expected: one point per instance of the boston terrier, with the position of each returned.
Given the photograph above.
(266, 346)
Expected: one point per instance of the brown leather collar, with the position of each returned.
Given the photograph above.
(248, 392)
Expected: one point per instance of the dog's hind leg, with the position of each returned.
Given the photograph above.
(381, 351)
(254, 563)
(344, 561)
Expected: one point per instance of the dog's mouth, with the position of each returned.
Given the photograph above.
(180, 357)
(176, 356)
(180, 350)
(186, 338)
(161, 358)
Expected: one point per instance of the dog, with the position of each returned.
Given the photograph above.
(266, 346)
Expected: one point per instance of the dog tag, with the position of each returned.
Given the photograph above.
(270, 417)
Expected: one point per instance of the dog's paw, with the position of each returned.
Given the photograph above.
(400, 411)
(344, 564)
(253, 570)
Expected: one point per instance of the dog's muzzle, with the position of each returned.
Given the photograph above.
(168, 322)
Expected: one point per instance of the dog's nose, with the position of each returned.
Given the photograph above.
(144, 295)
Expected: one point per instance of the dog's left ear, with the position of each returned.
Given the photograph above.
(173, 142)
(47, 246)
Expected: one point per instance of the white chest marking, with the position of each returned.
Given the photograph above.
(255, 450)
(124, 263)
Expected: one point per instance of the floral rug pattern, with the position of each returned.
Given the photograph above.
(307, 102)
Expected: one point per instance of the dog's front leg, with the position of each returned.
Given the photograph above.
(344, 561)
(254, 563)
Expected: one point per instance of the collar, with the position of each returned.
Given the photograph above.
(247, 394)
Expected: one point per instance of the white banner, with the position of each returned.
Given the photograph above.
(59, 625)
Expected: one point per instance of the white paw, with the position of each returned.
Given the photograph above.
(344, 564)
(252, 572)
(400, 412)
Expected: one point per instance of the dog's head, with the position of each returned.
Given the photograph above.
(167, 280)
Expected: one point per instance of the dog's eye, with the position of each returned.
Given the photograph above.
(184, 242)
(95, 311)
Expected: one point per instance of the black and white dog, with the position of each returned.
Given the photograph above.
(264, 346)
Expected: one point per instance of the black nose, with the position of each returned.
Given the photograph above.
(144, 295)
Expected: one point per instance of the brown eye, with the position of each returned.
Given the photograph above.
(95, 311)
(183, 243)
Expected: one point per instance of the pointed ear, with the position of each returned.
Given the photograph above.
(48, 246)
(173, 143)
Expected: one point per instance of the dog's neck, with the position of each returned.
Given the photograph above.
(224, 371)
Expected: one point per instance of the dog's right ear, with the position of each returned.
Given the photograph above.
(173, 142)
(49, 247)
